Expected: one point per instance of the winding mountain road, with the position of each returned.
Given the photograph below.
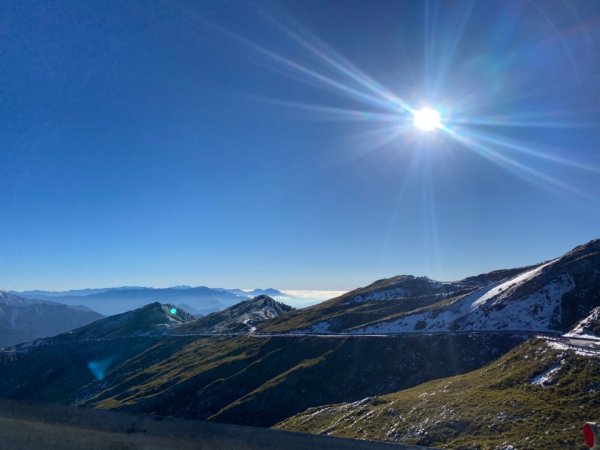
(554, 336)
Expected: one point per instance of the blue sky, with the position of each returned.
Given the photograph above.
(243, 144)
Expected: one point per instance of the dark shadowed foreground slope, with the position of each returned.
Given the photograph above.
(50, 427)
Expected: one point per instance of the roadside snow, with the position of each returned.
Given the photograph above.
(583, 327)
(579, 350)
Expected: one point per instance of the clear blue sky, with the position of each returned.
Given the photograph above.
(169, 142)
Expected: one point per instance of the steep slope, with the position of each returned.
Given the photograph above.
(536, 396)
(240, 318)
(551, 296)
(23, 320)
(252, 380)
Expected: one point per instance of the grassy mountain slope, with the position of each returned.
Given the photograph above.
(245, 380)
(536, 396)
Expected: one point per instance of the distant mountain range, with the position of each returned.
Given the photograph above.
(199, 300)
(23, 319)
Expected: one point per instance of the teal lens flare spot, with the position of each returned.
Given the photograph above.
(173, 310)
(99, 368)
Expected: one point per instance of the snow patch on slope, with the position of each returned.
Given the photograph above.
(546, 378)
(505, 288)
(251, 318)
(387, 294)
(321, 327)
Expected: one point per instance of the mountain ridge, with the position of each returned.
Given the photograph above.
(23, 320)
(549, 296)
(239, 318)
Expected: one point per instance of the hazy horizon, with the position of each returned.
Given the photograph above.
(323, 293)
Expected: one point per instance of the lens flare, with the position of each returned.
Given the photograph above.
(99, 368)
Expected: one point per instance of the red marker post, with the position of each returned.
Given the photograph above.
(591, 435)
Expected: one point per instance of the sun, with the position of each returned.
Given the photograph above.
(427, 119)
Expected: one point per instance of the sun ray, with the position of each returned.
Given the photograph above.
(329, 113)
(514, 122)
(297, 68)
(448, 55)
(368, 141)
(517, 168)
(335, 61)
(528, 149)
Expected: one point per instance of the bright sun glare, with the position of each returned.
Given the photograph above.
(427, 119)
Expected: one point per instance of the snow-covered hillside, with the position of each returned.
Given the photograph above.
(506, 305)
(551, 296)
(404, 286)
